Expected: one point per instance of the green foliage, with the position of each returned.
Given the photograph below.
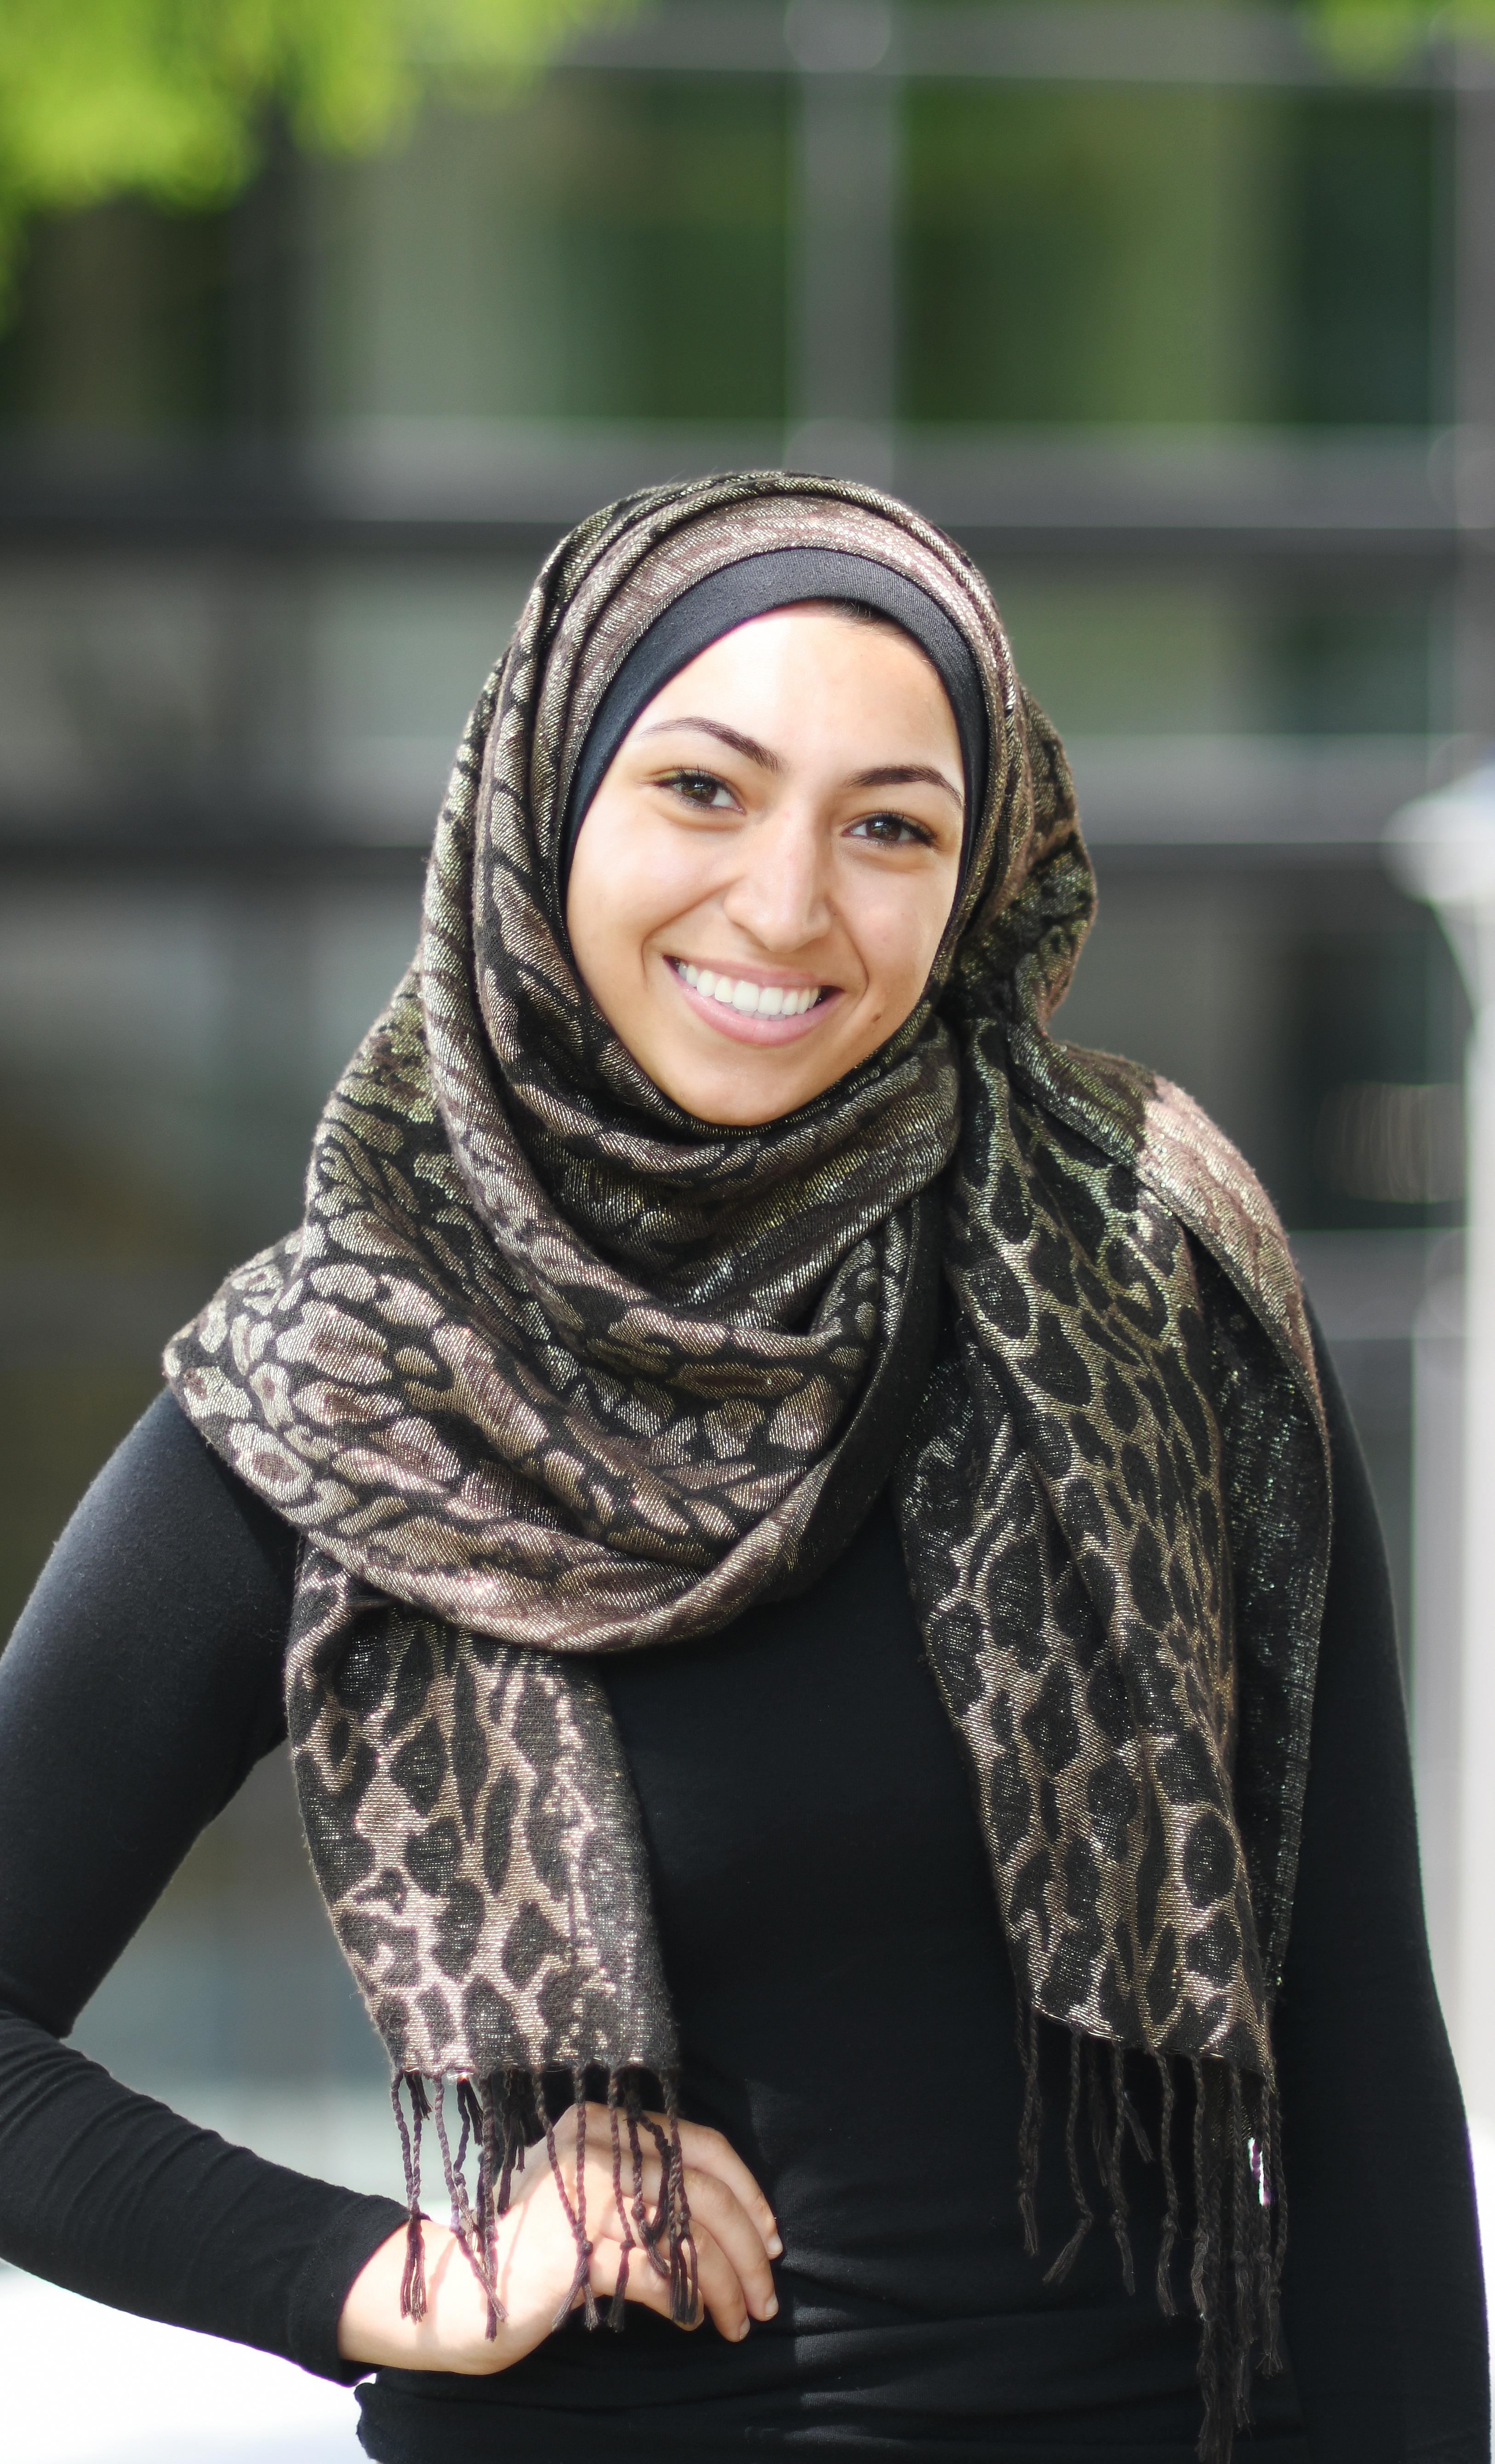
(171, 98)
(1371, 34)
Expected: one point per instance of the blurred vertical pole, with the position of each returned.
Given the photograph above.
(1473, 381)
(844, 279)
(1442, 848)
(1438, 1611)
(1461, 882)
(1475, 2023)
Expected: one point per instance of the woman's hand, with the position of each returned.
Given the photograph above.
(731, 2222)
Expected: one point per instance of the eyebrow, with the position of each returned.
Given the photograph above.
(900, 773)
(748, 746)
(907, 774)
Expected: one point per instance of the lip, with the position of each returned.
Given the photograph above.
(745, 1028)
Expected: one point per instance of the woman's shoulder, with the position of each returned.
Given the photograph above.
(179, 1513)
(169, 1553)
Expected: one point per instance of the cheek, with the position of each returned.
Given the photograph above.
(897, 926)
(627, 884)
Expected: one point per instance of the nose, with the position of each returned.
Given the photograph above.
(781, 894)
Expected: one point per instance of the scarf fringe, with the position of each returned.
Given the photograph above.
(502, 2116)
(1240, 2223)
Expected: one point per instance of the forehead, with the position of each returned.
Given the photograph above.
(827, 660)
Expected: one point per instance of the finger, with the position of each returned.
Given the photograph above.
(723, 2299)
(736, 2235)
(709, 2198)
(721, 2296)
(723, 2197)
(711, 2153)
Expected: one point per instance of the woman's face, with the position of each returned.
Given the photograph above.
(763, 879)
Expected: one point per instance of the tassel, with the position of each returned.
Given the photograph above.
(1216, 2435)
(650, 2230)
(684, 2273)
(1169, 2233)
(584, 2248)
(463, 2116)
(1119, 2209)
(1244, 2238)
(469, 2238)
(513, 2128)
(1083, 2208)
(583, 2245)
(1226, 2273)
(1134, 2119)
(412, 2280)
(1029, 2129)
(481, 2100)
(1272, 2224)
(621, 2288)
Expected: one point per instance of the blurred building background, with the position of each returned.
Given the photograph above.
(1188, 335)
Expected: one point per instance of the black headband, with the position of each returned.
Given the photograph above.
(781, 577)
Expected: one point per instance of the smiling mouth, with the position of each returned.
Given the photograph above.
(750, 999)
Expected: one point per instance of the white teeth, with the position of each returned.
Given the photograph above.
(750, 999)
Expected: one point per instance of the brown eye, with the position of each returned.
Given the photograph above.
(891, 829)
(701, 787)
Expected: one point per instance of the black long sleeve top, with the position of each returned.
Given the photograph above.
(847, 2014)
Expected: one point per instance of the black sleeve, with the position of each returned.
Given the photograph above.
(1383, 2292)
(140, 1687)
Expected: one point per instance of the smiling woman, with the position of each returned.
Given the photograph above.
(828, 1618)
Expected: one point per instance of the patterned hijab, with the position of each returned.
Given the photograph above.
(551, 1369)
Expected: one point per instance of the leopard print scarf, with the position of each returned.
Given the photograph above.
(551, 1370)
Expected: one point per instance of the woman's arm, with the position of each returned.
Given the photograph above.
(140, 1687)
(1383, 2295)
(142, 1684)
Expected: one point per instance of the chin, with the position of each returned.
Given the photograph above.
(720, 1113)
(729, 1096)
(741, 1108)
